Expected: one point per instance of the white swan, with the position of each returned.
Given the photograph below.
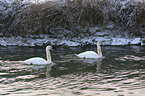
(38, 60)
(92, 54)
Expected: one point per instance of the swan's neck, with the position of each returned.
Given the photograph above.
(99, 50)
(48, 56)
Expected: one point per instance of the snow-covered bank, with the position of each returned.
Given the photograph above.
(71, 23)
(45, 39)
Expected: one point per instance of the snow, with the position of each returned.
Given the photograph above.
(136, 41)
(20, 41)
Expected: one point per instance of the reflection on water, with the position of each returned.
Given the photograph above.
(120, 73)
(131, 57)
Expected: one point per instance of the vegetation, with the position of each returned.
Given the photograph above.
(76, 16)
(132, 17)
(52, 16)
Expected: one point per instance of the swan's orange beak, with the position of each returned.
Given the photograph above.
(52, 49)
(102, 44)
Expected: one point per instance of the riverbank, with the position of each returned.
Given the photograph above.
(72, 23)
(43, 40)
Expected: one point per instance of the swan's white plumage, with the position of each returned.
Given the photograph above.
(88, 54)
(92, 54)
(36, 60)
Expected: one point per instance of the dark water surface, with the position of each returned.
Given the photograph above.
(120, 73)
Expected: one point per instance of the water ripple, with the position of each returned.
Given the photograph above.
(74, 77)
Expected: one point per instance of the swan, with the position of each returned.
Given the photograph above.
(91, 54)
(38, 60)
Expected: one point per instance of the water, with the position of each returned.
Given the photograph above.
(120, 73)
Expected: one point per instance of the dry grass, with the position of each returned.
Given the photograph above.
(139, 18)
(38, 19)
(77, 16)
(42, 18)
(132, 17)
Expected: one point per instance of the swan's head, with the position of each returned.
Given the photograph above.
(99, 42)
(49, 48)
